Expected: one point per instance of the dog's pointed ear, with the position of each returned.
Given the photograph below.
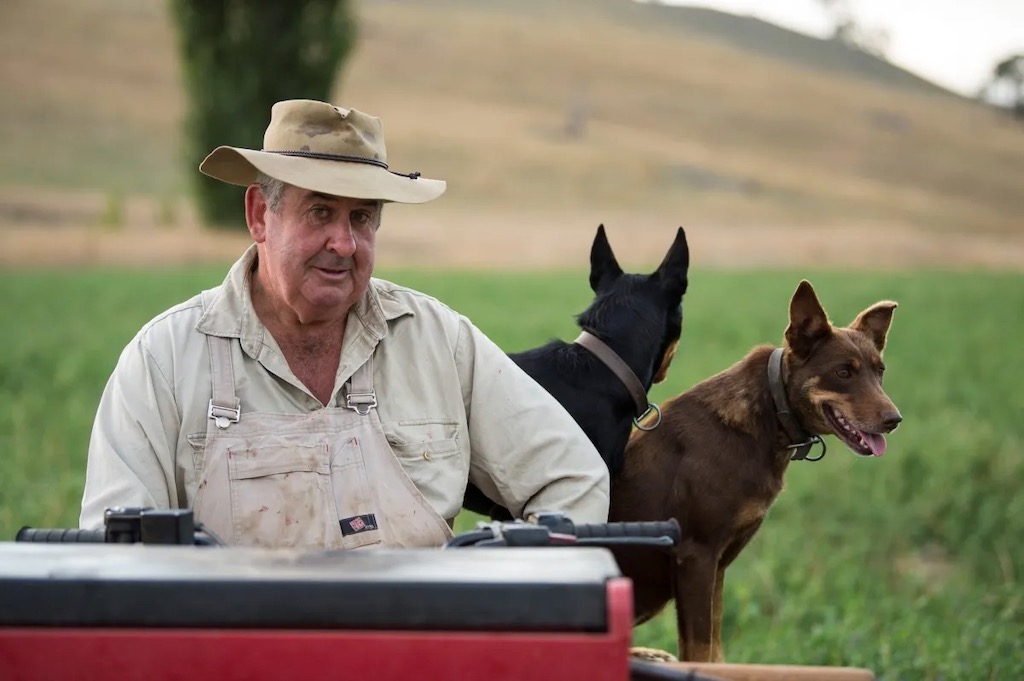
(808, 323)
(875, 321)
(673, 269)
(603, 264)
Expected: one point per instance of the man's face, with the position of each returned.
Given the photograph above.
(316, 251)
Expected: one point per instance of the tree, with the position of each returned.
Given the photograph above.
(849, 31)
(1006, 85)
(238, 58)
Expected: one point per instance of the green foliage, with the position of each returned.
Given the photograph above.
(910, 565)
(239, 57)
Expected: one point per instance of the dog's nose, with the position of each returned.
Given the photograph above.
(891, 419)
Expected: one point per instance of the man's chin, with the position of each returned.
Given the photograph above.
(331, 300)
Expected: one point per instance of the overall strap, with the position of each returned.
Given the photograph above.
(361, 398)
(225, 407)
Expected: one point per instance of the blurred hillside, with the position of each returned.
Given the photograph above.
(542, 112)
(764, 39)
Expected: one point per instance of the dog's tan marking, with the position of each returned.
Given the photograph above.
(700, 652)
(750, 513)
(736, 412)
(670, 353)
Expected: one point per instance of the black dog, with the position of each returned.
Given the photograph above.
(636, 318)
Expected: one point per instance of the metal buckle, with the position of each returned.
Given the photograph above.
(223, 416)
(650, 407)
(814, 440)
(361, 403)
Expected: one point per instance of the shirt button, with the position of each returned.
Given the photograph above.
(426, 455)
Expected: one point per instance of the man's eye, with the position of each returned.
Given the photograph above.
(361, 218)
(320, 212)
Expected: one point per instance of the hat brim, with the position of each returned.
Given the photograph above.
(239, 166)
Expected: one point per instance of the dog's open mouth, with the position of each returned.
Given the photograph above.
(860, 441)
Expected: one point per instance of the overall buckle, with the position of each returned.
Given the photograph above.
(361, 403)
(223, 416)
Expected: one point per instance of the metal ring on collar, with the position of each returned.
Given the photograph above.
(657, 422)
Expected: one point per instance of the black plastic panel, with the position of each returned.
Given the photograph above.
(80, 585)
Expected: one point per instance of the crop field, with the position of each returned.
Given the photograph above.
(910, 564)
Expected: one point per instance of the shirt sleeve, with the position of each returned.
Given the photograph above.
(525, 448)
(134, 437)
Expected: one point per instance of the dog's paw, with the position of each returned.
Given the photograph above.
(652, 655)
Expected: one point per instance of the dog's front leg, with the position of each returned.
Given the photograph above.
(717, 654)
(695, 586)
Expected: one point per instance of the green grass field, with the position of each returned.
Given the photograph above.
(910, 565)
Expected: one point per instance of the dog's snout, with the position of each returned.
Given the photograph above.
(891, 419)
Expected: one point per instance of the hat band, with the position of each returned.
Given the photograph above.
(333, 157)
(347, 159)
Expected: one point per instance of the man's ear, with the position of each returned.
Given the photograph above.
(808, 323)
(255, 213)
(874, 322)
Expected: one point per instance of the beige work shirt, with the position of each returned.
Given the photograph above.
(453, 406)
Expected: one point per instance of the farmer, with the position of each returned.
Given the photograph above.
(303, 403)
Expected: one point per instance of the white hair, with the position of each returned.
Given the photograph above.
(272, 190)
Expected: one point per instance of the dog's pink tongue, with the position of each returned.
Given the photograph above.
(876, 442)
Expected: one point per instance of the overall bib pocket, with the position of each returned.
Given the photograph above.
(281, 495)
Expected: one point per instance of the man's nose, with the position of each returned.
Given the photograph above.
(342, 241)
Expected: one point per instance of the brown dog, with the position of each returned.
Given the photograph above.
(717, 460)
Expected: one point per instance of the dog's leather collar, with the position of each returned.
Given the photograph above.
(802, 440)
(619, 367)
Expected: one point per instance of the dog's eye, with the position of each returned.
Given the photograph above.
(844, 372)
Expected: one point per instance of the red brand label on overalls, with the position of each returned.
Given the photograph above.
(358, 523)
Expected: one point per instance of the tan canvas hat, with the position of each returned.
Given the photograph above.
(322, 148)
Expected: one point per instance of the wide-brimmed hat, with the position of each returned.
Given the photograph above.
(322, 148)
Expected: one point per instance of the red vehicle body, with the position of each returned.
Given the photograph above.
(90, 611)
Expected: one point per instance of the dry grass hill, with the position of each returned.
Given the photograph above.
(771, 148)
